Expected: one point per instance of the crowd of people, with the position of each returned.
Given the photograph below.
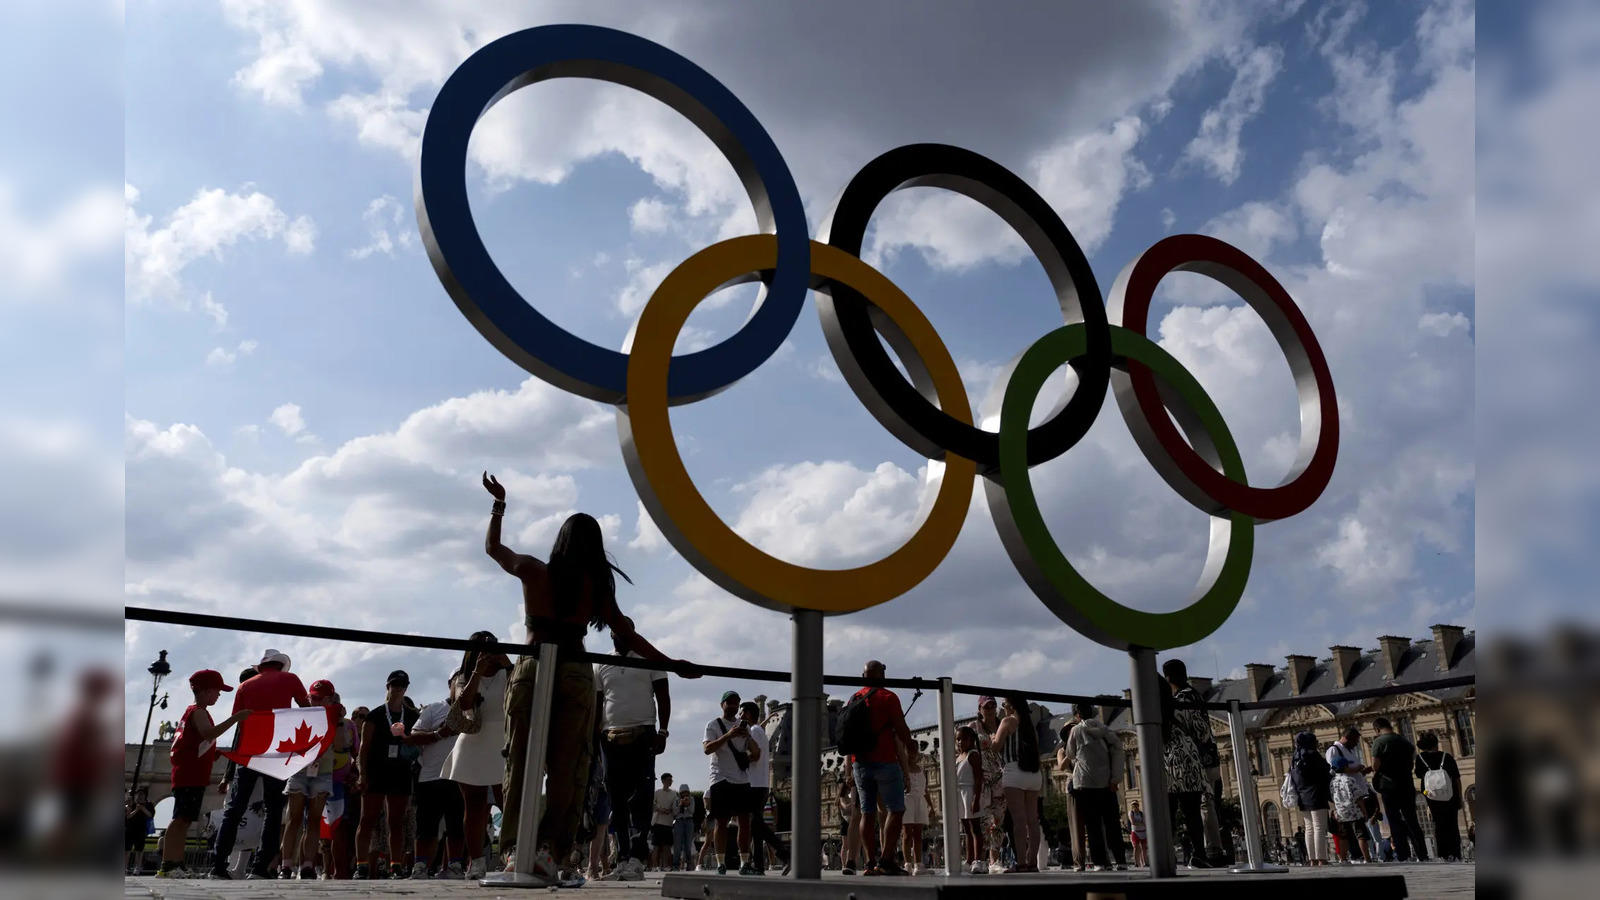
(406, 791)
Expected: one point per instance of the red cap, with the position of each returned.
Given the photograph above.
(322, 687)
(208, 678)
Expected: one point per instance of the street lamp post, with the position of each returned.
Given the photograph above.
(159, 669)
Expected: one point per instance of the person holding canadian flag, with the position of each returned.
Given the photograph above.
(194, 751)
(277, 741)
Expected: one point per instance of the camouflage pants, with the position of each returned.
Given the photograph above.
(567, 752)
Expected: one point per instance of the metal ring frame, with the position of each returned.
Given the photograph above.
(930, 413)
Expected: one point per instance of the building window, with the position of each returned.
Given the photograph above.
(1271, 825)
(1464, 739)
(1263, 758)
(1403, 726)
(1133, 771)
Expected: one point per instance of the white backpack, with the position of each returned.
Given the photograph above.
(1287, 795)
(1436, 783)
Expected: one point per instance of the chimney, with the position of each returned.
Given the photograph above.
(1344, 664)
(1446, 638)
(1127, 694)
(1299, 672)
(1202, 686)
(1259, 674)
(1393, 649)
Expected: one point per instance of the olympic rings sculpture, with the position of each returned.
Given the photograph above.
(1104, 342)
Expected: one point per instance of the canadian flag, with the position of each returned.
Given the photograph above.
(282, 742)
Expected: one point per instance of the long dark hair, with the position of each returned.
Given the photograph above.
(1027, 735)
(579, 553)
(469, 659)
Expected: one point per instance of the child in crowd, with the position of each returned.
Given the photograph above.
(969, 783)
(917, 805)
(194, 752)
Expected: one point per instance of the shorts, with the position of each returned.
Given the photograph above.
(440, 800)
(726, 799)
(880, 781)
(661, 836)
(304, 782)
(134, 841)
(1016, 779)
(186, 802)
(1137, 837)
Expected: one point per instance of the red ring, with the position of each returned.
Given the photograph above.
(1239, 272)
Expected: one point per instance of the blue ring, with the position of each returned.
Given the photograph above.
(498, 311)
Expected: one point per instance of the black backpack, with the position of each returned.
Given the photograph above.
(856, 734)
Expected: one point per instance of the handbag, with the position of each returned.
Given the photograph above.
(463, 721)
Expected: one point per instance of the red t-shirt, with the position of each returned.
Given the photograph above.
(883, 706)
(269, 690)
(191, 764)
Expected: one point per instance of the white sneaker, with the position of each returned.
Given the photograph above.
(631, 870)
(996, 869)
(979, 868)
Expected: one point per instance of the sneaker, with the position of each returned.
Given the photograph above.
(1096, 868)
(996, 869)
(1199, 862)
(979, 868)
(451, 872)
(419, 869)
(873, 872)
(785, 872)
(478, 868)
(362, 873)
(847, 870)
(307, 873)
(397, 872)
(893, 869)
(748, 869)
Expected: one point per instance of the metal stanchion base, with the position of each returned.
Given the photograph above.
(521, 880)
(1258, 870)
(1051, 885)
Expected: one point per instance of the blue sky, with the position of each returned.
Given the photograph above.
(306, 412)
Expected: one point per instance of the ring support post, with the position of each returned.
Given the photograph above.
(1249, 803)
(805, 807)
(532, 809)
(1152, 768)
(949, 794)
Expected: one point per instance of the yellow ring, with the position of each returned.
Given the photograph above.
(688, 521)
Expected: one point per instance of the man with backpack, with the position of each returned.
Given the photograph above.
(1393, 758)
(1441, 785)
(731, 753)
(871, 724)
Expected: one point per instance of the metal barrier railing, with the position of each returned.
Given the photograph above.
(1146, 723)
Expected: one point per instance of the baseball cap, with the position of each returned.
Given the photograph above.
(398, 676)
(322, 687)
(206, 679)
(727, 695)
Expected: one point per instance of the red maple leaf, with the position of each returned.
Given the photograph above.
(301, 743)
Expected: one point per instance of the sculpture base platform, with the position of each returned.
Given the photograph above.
(1052, 885)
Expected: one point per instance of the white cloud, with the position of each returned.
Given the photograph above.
(642, 283)
(288, 419)
(1216, 146)
(650, 215)
(39, 251)
(221, 357)
(647, 538)
(1168, 218)
(213, 221)
(383, 214)
(381, 120)
(829, 513)
(1444, 324)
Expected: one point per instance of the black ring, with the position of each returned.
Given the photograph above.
(851, 330)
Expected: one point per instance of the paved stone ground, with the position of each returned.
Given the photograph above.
(1425, 882)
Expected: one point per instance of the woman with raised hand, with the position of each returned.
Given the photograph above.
(561, 598)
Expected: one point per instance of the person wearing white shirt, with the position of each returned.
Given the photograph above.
(438, 798)
(635, 707)
(730, 755)
(662, 804)
(761, 834)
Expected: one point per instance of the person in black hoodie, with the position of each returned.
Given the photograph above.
(1313, 786)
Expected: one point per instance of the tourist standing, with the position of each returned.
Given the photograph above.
(477, 763)
(849, 823)
(635, 708)
(729, 756)
(877, 771)
(994, 798)
(1136, 832)
(1444, 810)
(1180, 734)
(917, 805)
(1393, 759)
(561, 600)
(439, 800)
(1094, 756)
(762, 836)
(662, 840)
(273, 687)
(1344, 758)
(138, 813)
(305, 793)
(683, 831)
(193, 754)
(383, 775)
(1021, 779)
(969, 788)
(1312, 782)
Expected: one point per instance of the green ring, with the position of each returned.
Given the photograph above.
(1034, 552)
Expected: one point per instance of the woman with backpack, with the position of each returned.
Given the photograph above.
(1311, 789)
(1021, 779)
(1441, 786)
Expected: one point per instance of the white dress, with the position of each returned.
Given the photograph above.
(477, 758)
(916, 798)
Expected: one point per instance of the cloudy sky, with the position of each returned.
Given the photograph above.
(306, 412)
